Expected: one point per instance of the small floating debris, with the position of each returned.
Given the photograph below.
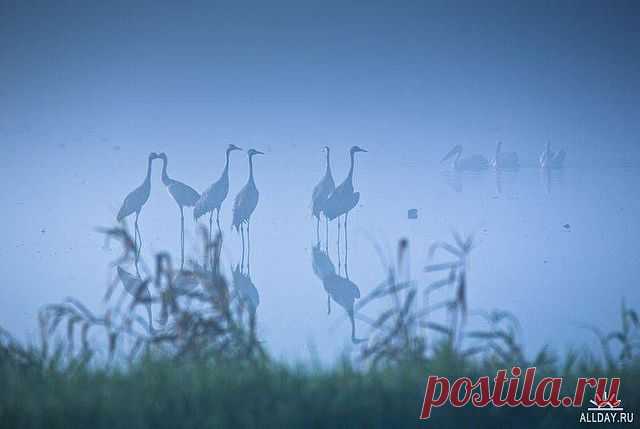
(412, 214)
(566, 226)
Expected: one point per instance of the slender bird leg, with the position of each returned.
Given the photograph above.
(209, 244)
(328, 304)
(353, 327)
(339, 245)
(242, 261)
(346, 247)
(218, 220)
(181, 238)
(248, 249)
(326, 242)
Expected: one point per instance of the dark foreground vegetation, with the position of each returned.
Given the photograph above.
(199, 363)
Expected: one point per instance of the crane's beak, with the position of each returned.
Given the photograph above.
(258, 153)
(363, 150)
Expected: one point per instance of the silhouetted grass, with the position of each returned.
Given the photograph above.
(203, 366)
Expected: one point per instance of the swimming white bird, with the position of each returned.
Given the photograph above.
(321, 193)
(505, 160)
(212, 198)
(184, 195)
(134, 202)
(470, 163)
(551, 159)
(244, 205)
(341, 202)
(137, 288)
(246, 289)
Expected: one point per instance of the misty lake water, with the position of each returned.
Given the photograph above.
(555, 278)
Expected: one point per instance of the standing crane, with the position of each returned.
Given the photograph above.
(341, 202)
(133, 203)
(137, 288)
(183, 194)
(244, 205)
(212, 198)
(321, 193)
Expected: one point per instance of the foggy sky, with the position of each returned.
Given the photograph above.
(88, 89)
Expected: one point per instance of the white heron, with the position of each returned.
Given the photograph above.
(505, 160)
(183, 194)
(551, 159)
(137, 288)
(246, 289)
(469, 163)
(321, 193)
(341, 202)
(244, 205)
(134, 202)
(212, 198)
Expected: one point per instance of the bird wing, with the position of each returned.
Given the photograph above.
(244, 204)
(211, 198)
(133, 202)
(183, 194)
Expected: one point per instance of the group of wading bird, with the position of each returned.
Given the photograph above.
(328, 201)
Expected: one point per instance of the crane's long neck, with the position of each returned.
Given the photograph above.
(251, 169)
(498, 147)
(148, 178)
(328, 170)
(165, 176)
(350, 176)
(225, 172)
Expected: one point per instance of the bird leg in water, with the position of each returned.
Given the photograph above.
(328, 304)
(242, 260)
(346, 247)
(181, 238)
(248, 249)
(339, 266)
(218, 220)
(326, 243)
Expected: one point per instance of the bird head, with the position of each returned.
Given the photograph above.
(233, 147)
(456, 150)
(355, 149)
(152, 156)
(252, 152)
(162, 156)
(325, 149)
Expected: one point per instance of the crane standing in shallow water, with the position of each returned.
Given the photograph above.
(133, 203)
(183, 194)
(340, 202)
(212, 198)
(321, 193)
(244, 205)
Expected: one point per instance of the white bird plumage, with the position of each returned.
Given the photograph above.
(505, 160)
(245, 288)
(551, 159)
(473, 162)
(213, 197)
